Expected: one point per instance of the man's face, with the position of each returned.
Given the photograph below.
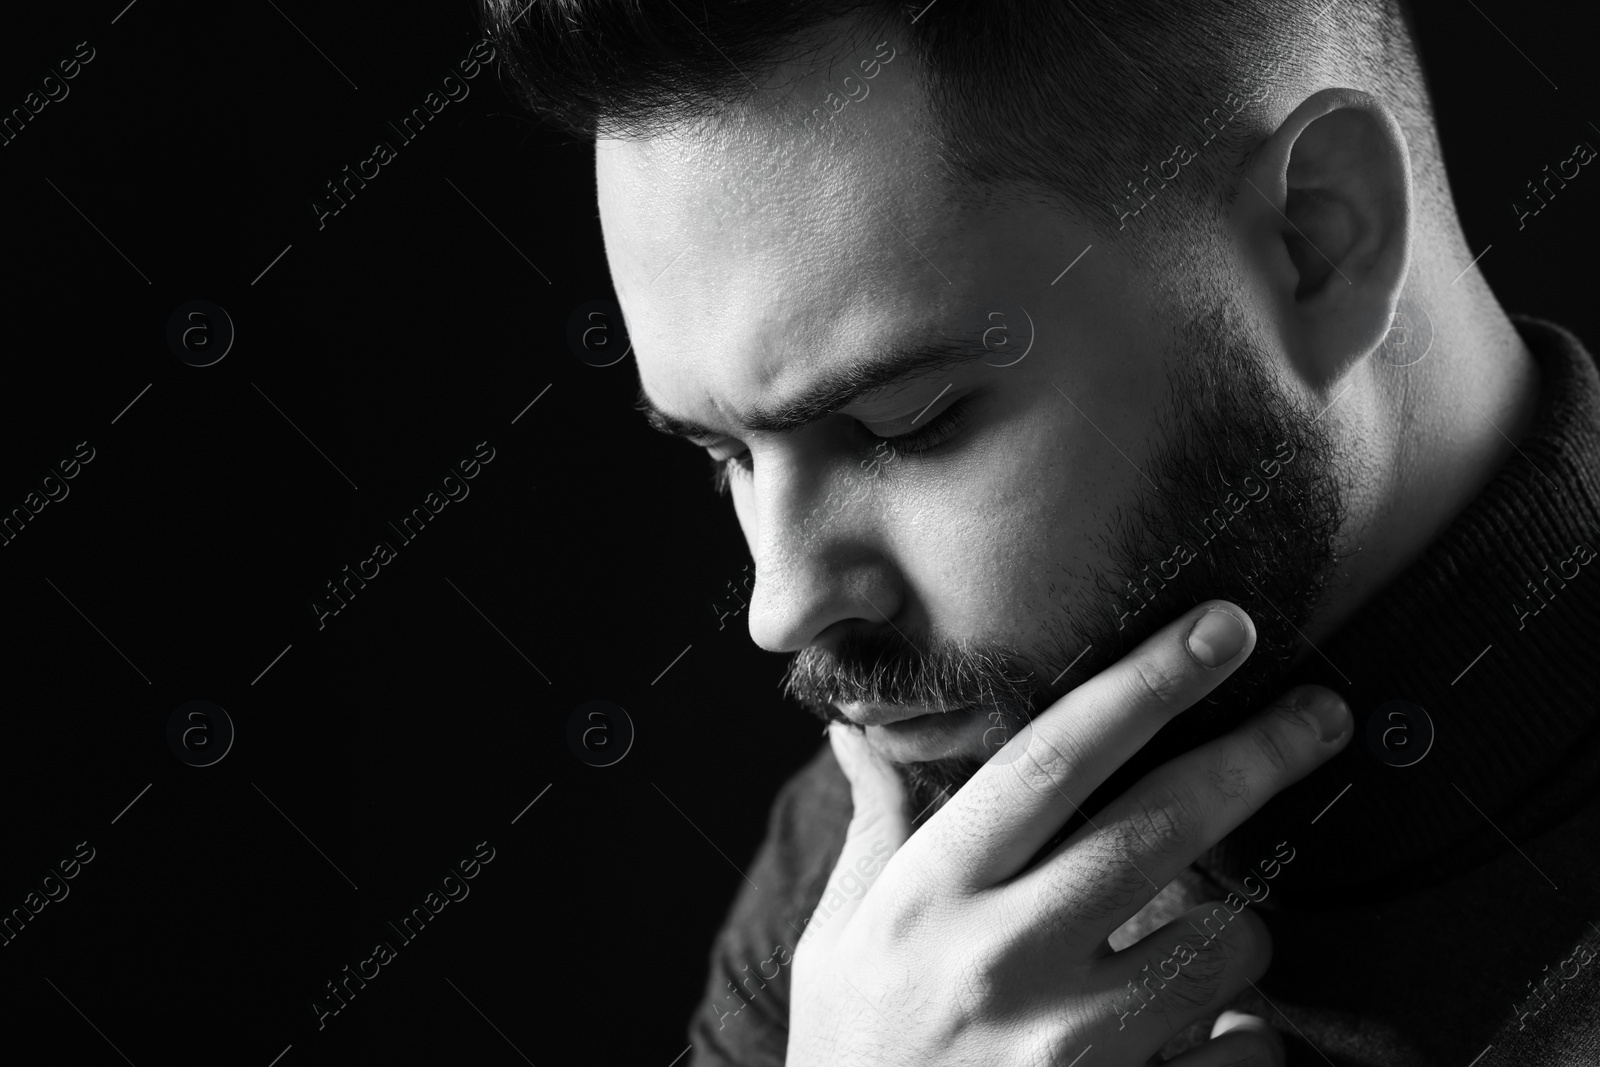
(942, 588)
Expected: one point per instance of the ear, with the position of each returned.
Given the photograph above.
(1323, 210)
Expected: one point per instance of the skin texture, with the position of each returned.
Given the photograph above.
(961, 950)
(749, 259)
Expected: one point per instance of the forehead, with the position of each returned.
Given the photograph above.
(749, 254)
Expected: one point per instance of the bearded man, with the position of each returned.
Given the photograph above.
(1189, 555)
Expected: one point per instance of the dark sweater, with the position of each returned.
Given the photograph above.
(1431, 912)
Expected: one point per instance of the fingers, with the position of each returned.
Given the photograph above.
(1019, 799)
(1106, 871)
(1237, 1040)
(878, 827)
(1183, 972)
(877, 798)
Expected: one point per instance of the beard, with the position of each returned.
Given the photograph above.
(1221, 441)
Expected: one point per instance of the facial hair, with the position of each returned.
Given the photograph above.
(1220, 446)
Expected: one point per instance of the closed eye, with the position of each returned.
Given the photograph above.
(925, 439)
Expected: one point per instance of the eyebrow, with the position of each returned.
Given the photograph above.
(834, 390)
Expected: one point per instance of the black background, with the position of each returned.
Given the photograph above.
(374, 354)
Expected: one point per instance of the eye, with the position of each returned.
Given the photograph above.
(722, 469)
(929, 437)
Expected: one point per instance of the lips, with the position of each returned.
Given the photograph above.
(912, 734)
(883, 714)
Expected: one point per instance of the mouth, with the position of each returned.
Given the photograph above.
(908, 733)
(888, 714)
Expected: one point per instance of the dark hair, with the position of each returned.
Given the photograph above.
(1080, 100)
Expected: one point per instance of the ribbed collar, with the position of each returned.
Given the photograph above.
(1514, 702)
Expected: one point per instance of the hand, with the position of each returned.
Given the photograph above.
(952, 953)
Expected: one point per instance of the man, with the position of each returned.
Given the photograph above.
(1122, 442)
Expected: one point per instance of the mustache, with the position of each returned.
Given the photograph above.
(889, 668)
(1272, 550)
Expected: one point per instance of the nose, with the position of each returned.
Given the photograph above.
(820, 558)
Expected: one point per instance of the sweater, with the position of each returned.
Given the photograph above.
(1440, 899)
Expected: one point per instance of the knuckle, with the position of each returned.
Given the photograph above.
(1235, 942)
(890, 920)
(967, 973)
(1048, 764)
(1199, 982)
(1235, 945)
(907, 922)
(1228, 780)
(1276, 750)
(976, 991)
(1159, 685)
(1164, 826)
(1071, 905)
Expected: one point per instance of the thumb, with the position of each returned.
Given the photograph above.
(878, 827)
(877, 798)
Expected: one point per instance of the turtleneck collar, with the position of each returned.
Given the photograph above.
(1491, 632)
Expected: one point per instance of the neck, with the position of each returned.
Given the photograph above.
(1479, 653)
(1427, 436)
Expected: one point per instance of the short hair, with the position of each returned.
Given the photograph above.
(1082, 101)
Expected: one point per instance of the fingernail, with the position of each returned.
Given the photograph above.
(1328, 715)
(1237, 1020)
(1216, 638)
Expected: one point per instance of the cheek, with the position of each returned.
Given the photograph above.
(1015, 535)
(973, 539)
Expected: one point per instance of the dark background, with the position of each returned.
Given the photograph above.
(428, 714)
